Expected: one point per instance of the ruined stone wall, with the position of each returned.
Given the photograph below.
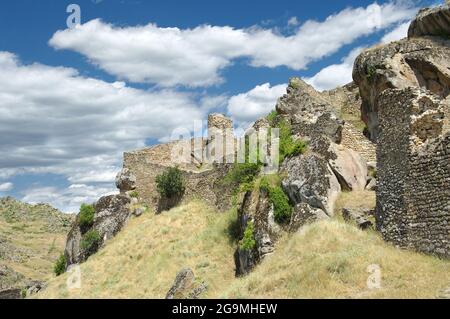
(354, 139)
(200, 183)
(413, 150)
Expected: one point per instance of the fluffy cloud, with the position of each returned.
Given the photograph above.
(335, 75)
(56, 121)
(67, 199)
(5, 187)
(247, 107)
(195, 57)
(398, 33)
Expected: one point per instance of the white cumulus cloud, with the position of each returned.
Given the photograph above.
(335, 75)
(5, 187)
(398, 33)
(247, 107)
(195, 57)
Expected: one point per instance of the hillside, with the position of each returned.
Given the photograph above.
(31, 239)
(326, 259)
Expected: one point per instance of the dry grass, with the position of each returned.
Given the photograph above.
(328, 259)
(143, 260)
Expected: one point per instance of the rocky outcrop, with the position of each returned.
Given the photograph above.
(431, 22)
(125, 181)
(415, 62)
(310, 114)
(111, 215)
(185, 286)
(254, 207)
(311, 180)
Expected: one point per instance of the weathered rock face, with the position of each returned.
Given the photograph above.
(112, 213)
(415, 62)
(311, 180)
(125, 181)
(434, 22)
(185, 287)
(310, 113)
(413, 198)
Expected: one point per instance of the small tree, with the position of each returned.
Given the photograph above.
(170, 184)
(60, 265)
(87, 213)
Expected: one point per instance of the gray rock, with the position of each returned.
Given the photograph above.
(125, 181)
(304, 214)
(185, 287)
(112, 214)
(310, 113)
(310, 180)
(431, 22)
(359, 217)
(11, 293)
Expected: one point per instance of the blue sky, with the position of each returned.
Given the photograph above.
(72, 101)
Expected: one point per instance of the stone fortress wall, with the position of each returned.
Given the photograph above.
(413, 201)
(203, 178)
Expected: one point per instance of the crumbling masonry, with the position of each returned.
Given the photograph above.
(413, 150)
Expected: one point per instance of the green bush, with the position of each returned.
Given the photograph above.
(243, 173)
(279, 200)
(288, 146)
(60, 265)
(134, 194)
(87, 213)
(248, 241)
(171, 183)
(90, 241)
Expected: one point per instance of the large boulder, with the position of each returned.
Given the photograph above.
(111, 215)
(414, 62)
(125, 181)
(431, 21)
(311, 180)
(350, 168)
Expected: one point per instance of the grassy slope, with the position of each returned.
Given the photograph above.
(325, 260)
(32, 237)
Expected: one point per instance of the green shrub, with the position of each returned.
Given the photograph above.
(60, 265)
(90, 241)
(288, 146)
(242, 173)
(134, 194)
(171, 183)
(87, 213)
(279, 200)
(248, 241)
